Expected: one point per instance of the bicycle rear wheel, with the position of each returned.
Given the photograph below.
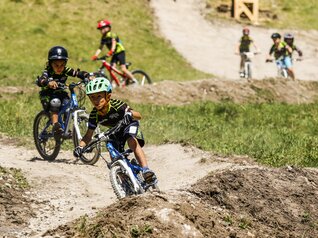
(43, 137)
(142, 77)
(89, 157)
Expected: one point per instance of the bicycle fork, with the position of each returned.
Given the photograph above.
(123, 164)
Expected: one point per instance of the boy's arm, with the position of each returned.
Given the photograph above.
(100, 48)
(300, 53)
(289, 49)
(113, 47)
(271, 51)
(43, 80)
(237, 48)
(135, 115)
(255, 47)
(87, 137)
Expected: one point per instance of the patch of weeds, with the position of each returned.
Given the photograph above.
(18, 176)
(227, 110)
(228, 220)
(97, 231)
(82, 224)
(244, 223)
(136, 231)
(265, 94)
(305, 217)
(21, 180)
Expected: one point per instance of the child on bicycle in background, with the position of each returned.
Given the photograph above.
(282, 54)
(115, 47)
(244, 46)
(289, 39)
(108, 112)
(52, 97)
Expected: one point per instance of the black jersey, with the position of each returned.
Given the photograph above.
(116, 112)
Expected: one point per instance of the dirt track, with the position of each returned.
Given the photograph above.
(210, 46)
(65, 189)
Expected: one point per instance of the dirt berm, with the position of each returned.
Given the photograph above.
(243, 202)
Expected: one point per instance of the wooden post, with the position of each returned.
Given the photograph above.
(241, 7)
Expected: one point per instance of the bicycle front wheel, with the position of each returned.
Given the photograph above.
(142, 77)
(249, 71)
(89, 157)
(43, 137)
(121, 182)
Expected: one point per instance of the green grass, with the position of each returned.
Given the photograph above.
(291, 14)
(274, 134)
(29, 28)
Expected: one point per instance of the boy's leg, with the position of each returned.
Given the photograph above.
(148, 174)
(288, 63)
(138, 151)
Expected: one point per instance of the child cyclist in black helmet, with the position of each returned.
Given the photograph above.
(52, 97)
(108, 112)
(289, 39)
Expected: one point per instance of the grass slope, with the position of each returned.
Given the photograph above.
(29, 28)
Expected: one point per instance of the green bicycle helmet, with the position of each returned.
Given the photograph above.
(99, 84)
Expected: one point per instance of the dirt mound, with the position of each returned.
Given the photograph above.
(250, 202)
(264, 202)
(15, 206)
(180, 93)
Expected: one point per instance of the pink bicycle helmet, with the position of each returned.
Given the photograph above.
(246, 31)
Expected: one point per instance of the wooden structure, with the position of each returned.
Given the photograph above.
(249, 7)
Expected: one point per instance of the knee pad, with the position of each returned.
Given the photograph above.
(55, 104)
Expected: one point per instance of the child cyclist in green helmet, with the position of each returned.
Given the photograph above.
(51, 96)
(108, 112)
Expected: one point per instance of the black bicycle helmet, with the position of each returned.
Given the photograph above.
(276, 36)
(57, 53)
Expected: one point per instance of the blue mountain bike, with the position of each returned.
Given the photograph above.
(125, 174)
(73, 120)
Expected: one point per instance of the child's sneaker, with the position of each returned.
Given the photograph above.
(149, 176)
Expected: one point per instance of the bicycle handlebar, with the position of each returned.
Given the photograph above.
(103, 136)
(71, 85)
(103, 57)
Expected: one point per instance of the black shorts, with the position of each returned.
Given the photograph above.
(120, 57)
(132, 130)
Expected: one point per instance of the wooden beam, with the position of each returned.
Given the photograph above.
(241, 7)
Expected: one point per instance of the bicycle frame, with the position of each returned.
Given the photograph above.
(247, 59)
(72, 110)
(112, 70)
(281, 68)
(122, 161)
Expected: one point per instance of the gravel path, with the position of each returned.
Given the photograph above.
(210, 47)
